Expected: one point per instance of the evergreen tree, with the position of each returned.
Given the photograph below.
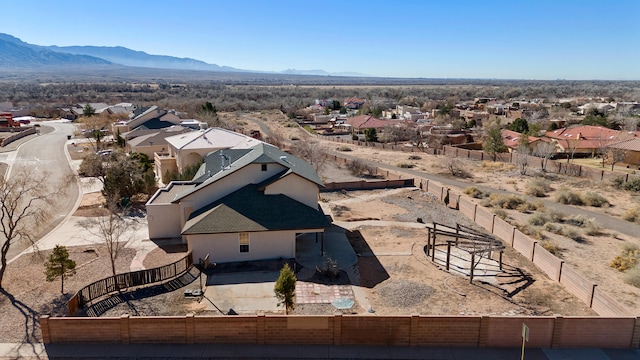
(285, 288)
(59, 265)
(493, 144)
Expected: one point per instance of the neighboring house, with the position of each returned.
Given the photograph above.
(626, 151)
(242, 205)
(354, 103)
(152, 141)
(190, 148)
(512, 140)
(585, 139)
(359, 123)
(151, 118)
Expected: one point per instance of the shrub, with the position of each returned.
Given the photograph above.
(566, 196)
(537, 187)
(632, 215)
(572, 234)
(357, 167)
(627, 259)
(593, 228)
(531, 231)
(551, 247)
(553, 228)
(456, 168)
(595, 199)
(505, 201)
(344, 148)
(415, 157)
(555, 215)
(501, 213)
(577, 220)
(617, 182)
(538, 219)
(632, 277)
(474, 192)
(404, 165)
(631, 185)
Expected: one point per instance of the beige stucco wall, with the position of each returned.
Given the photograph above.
(226, 248)
(164, 221)
(297, 188)
(250, 174)
(148, 150)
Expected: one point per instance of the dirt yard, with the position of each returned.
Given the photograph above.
(399, 279)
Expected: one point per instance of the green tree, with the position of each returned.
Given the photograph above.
(59, 265)
(336, 105)
(493, 144)
(343, 110)
(371, 135)
(519, 125)
(285, 288)
(88, 111)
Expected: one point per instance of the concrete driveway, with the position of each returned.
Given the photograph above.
(245, 293)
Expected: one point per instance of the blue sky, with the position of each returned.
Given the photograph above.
(541, 39)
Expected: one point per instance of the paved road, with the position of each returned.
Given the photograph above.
(46, 153)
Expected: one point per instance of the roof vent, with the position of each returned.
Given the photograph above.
(284, 158)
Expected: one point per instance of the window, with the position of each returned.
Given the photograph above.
(244, 242)
(264, 167)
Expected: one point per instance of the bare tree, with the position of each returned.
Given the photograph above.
(615, 155)
(572, 146)
(545, 150)
(522, 156)
(113, 230)
(25, 201)
(96, 127)
(312, 152)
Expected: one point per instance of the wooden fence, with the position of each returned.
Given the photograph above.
(119, 282)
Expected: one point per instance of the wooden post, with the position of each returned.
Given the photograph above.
(473, 261)
(428, 241)
(501, 259)
(448, 253)
(433, 251)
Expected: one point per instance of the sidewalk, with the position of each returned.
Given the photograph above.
(244, 351)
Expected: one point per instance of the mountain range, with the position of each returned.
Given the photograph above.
(17, 54)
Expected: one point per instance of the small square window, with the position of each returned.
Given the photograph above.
(244, 242)
(264, 167)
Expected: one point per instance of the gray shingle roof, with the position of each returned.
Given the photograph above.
(261, 153)
(250, 210)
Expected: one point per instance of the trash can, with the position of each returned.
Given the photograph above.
(68, 137)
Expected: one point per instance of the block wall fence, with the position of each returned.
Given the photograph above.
(615, 328)
(414, 330)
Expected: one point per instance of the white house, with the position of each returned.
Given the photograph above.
(242, 205)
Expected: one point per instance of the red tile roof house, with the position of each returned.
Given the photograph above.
(586, 140)
(629, 149)
(354, 103)
(512, 139)
(360, 123)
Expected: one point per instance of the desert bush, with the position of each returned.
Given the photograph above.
(632, 277)
(551, 247)
(538, 187)
(572, 234)
(593, 228)
(595, 199)
(344, 148)
(555, 215)
(531, 231)
(404, 165)
(456, 168)
(631, 185)
(528, 206)
(539, 219)
(566, 196)
(617, 182)
(474, 192)
(357, 167)
(632, 215)
(577, 220)
(501, 213)
(415, 157)
(505, 201)
(552, 228)
(627, 259)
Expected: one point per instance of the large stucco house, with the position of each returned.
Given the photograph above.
(242, 205)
